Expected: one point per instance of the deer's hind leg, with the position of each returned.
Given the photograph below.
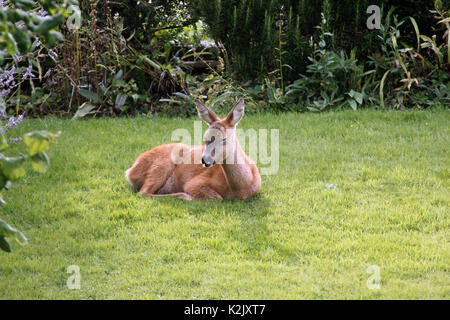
(152, 185)
(199, 191)
(156, 179)
(151, 174)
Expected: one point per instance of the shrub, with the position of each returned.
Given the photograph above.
(21, 26)
(249, 29)
(13, 167)
(415, 74)
(333, 79)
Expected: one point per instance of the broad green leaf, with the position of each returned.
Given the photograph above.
(25, 4)
(120, 101)
(52, 36)
(416, 29)
(49, 23)
(84, 110)
(4, 245)
(4, 182)
(438, 4)
(12, 167)
(353, 104)
(20, 238)
(119, 74)
(7, 231)
(358, 97)
(90, 95)
(17, 15)
(3, 142)
(11, 45)
(36, 142)
(152, 63)
(22, 38)
(40, 162)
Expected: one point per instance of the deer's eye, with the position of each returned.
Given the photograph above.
(210, 141)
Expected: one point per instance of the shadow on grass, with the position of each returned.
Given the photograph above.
(254, 232)
(242, 221)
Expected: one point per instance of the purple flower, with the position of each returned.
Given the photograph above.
(4, 92)
(12, 122)
(4, 3)
(42, 13)
(14, 140)
(7, 81)
(20, 24)
(52, 54)
(17, 57)
(28, 73)
(47, 74)
(7, 77)
(38, 43)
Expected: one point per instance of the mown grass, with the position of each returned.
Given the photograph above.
(296, 240)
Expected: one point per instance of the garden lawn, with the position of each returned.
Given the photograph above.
(353, 190)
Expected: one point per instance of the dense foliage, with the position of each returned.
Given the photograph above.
(250, 30)
(132, 57)
(17, 27)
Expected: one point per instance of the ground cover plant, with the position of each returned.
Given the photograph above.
(354, 191)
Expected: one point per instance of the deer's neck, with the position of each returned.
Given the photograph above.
(237, 169)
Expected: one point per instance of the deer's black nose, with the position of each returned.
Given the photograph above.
(206, 164)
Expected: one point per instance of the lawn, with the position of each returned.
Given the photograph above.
(353, 190)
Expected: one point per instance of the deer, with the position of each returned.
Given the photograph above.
(175, 170)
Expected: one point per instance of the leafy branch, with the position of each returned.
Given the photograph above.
(13, 168)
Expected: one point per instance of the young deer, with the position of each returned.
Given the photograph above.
(174, 170)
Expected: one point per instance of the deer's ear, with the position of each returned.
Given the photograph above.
(206, 113)
(236, 113)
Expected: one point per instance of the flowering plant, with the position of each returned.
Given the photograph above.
(20, 23)
(13, 168)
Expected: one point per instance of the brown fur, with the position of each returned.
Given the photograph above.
(154, 174)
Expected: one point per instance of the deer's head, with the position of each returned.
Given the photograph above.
(220, 137)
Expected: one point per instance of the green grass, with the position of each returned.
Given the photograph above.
(296, 240)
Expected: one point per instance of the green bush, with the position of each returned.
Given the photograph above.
(143, 18)
(249, 29)
(333, 79)
(399, 76)
(13, 167)
(19, 24)
(249, 32)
